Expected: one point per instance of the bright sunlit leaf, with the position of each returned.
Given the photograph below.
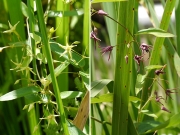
(155, 31)
(77, 12)
(150, 67)
(22, 92)
(98, 85)
(103, 98)
(24, 9)
(99, 1)
(177, 63)
(139, 83)
(71, 94)
(109, 98)
(147, 112)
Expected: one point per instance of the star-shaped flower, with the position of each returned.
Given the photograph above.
(12, 29)
(68, 48)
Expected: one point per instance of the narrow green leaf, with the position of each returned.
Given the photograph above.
(132, 98)
(22, 92)
(3, 26)
(73, 130)
(177, 63)
(147, 112)
(77, 12)
(71, 94)
(103, 98)
(96, 86)
(36, 37)
(24, 9)
(155, 31)
(99, 1)
(172, 122)
(139, 83)
(109, 98)
(150, 67)
(57, 72)
(145, 126)
(110, 86)
(85, 78)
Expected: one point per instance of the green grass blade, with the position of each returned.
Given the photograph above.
(122, 70)
(50, 65)
(177, 16)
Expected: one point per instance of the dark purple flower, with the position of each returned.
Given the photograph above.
(168, 92)
(165, 109)
(107, 49)
(145, 47)
(138, 59)
(158, 98)
(101, 12)
(93, 36)
(159, 71)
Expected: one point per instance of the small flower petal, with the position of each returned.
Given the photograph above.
(101, 12)
(93, 36)
(165, 109)
(168, 92)
(138, 59)
(107, 49)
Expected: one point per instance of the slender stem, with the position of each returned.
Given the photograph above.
(102, 122)
(50, 65)
(134, 39)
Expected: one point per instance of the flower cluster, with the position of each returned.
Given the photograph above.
(94, 34)
(168, 92)
(138, 58)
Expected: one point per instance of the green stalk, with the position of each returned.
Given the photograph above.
(33, 117)
(111, 25)
(15, 15)
(50, 65)
(63, 30)
(155, 55)
(123, 70)
(177, 15)
(86, 27)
